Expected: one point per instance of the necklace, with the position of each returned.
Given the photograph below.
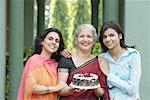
(80, 58)
(83, 55)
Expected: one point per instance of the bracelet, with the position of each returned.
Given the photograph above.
(101, 89)
(95, 90)
(47, 89)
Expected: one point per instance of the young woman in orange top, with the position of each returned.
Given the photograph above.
(39, 78)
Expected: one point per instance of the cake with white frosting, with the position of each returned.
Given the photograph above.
(85, 81)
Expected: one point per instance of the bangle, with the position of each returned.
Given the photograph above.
(99, 89)
(103, 91)
(47, 89)
(95, 90)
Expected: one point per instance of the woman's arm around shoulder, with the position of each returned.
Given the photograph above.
(103, 65)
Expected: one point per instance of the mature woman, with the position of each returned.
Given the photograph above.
(82, 61)
(39, 78)
(123, 74)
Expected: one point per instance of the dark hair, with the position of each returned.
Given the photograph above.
(114, 25)
(38, 40)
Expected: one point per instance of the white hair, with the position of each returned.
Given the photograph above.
(86, 26)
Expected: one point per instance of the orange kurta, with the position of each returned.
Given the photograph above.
(42, 72)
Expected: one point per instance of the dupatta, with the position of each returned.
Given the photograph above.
(36, 61)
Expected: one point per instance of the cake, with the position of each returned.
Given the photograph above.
(85, 81)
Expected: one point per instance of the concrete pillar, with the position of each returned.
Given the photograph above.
(2, 47)
(110, 10)
(16, 45)
(137, 32)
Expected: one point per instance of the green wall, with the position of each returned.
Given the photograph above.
(110, 10)
(137, 32)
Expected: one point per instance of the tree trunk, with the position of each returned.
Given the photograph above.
(40, 16)
(95, 6)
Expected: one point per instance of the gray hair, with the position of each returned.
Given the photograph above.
(86, 26)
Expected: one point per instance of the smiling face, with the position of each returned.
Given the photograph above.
(51, 43)
(111, 38)
(85, 40)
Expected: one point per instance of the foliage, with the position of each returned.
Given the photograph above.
(83, 14)
(96, 49)
(7, 77)
(59, 16)
(28, 51)
(67, 16)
